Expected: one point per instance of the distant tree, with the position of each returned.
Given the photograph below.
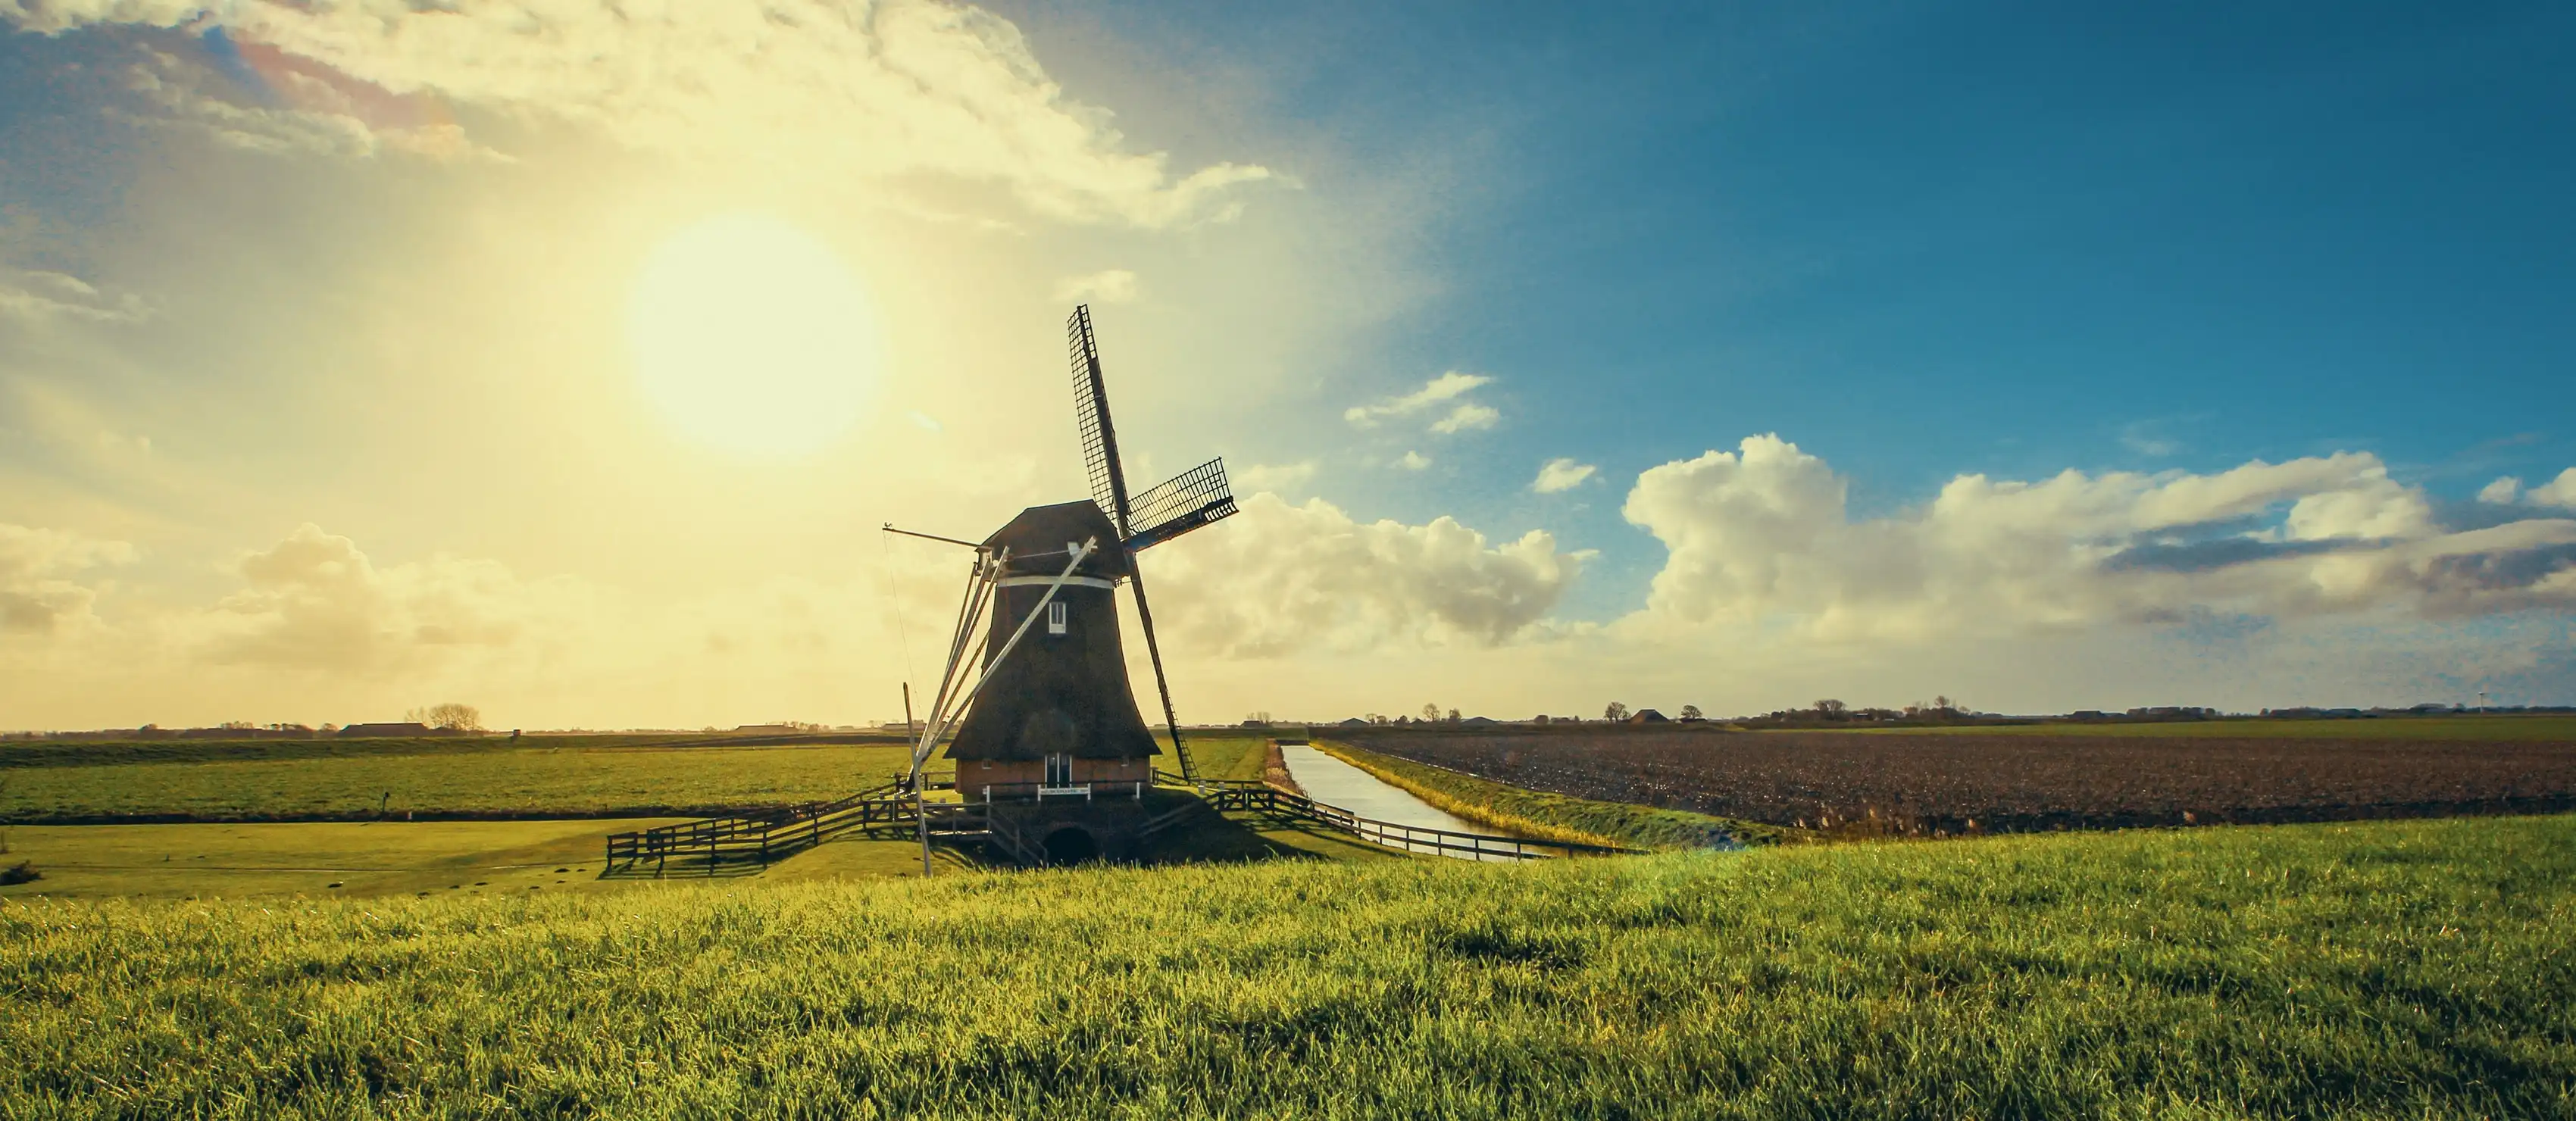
(1539, 719)
(1944, 704)
(239, 726)
(1692, 712)
(1430, 711)
(1453, 716)
(1618, 710)
(451, 717)
(1830, 708)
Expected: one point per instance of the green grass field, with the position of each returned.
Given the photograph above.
(2369, 970)
(1228, 757)
(313, 859)
(2492, 727)
(483, 779)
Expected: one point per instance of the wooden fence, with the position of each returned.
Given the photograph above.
(751, 842)
(748, 843)
(1242, 794)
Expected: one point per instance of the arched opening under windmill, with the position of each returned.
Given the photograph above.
(1071, 844)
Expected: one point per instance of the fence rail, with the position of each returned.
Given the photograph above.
(750, 842)
(1242, 795)
(711, 845)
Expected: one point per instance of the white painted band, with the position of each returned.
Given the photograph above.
(1070, 581)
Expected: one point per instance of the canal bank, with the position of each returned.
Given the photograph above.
(1339, 784)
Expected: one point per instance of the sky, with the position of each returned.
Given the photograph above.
(563, 359)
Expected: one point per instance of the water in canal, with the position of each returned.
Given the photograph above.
(1336, 783)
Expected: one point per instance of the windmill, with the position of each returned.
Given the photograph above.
(1048, 735)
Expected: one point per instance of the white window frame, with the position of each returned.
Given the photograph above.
(1055, 617)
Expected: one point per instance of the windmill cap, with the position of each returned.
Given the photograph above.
(1038, 538)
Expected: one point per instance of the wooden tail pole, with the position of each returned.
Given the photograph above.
(1154, 651)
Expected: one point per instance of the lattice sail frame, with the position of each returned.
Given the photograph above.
(1182, 503)
(1091, 418)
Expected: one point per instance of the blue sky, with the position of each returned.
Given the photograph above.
(1923, 240)
(2175, 355)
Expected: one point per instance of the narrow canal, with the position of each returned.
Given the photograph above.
(1336, 783)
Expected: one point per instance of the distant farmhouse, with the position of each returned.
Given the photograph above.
(1648, 716)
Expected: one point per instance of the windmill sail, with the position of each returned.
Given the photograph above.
(1180, 504)
(1091, 416)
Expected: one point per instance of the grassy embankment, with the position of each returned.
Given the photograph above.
(466, 778)
(1533, 813)
(2379, 969)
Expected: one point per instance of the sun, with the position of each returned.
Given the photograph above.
(751, 335)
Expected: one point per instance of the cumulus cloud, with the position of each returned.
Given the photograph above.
(1413, 461)
(888, 91)
(2561, 492)
(1109, 286)
(1759, 538)
(38, 598)
(1561, 474)
(315, 601)
(38, 296)
(1279, 578)
(1438, 391)
(2501, 492)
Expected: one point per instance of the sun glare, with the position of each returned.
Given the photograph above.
(751, 335)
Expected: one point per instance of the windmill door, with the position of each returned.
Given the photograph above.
(1059, 770)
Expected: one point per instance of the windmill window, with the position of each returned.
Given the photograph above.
(1055, 618)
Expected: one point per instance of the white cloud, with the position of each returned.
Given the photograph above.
(1280, 578)
(312, 113)
(1561, 474)
(1446, 387)
(900, 90)
(314, 601)
(2501, 492)
(37, 296)
(1465, 417)
(36, 597)
(1276, 477)
(1413, 461)
(1759, 539)
(2560, 492)
(1111, 286)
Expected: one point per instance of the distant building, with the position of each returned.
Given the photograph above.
(768, 730)
(1648, 716)
(379, 731)
(1354, 722)
(1477, 722)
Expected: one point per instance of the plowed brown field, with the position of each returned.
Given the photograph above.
(1955, 783)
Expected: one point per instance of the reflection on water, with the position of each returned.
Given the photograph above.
(1336, 783)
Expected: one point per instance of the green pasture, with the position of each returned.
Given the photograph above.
(531, 780)
(2496, 727)
(1229, 757)
(1536, 813)
(310, 858)
(2416, 969)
